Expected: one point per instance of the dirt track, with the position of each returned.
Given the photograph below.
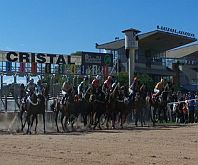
(159, 145)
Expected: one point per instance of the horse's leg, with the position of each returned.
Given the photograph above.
(99, 124)
(33, 117)
(113, 119)
(155, 115)
(121, 119)
(141, 116)
(96, 120)
(136, 114)
(91, 118)
(21, 118)
(56, 120)
(165, 114)
(108, 120)
(144, 115)
(62, 118)
(36, 117)
(160, 111)
(44, 122)
(28, 122)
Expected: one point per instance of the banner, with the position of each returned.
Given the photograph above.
(73, 69)
(83, 70)
(91, 58)
(8, 66)
(27, 57)
(22, 67)
(105, 70)
(47, 68)
(61, 69)
(34, 68)
(94, 70)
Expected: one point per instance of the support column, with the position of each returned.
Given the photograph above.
(131, 64)
(131, 44)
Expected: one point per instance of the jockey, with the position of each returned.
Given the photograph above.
(31, 86)
(83, 87)
(143, 91)
(134, 87)
(22, 91)
(95, 83)
(67, 89)
(159, 87)
(121, 93)
(107, 86)
(39, 87)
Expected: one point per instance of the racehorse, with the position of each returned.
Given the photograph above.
(35, 104)
(117, 106)
(159, 107)
(99, 107)
(138, 108)
(23, 110)
(57, 107)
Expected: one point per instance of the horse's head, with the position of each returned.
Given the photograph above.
(71, 97)
(41, 98)
(137, 97)
(33, 98)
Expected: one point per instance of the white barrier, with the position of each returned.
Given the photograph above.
(183, 101)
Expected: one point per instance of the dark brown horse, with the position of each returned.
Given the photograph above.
(34, 106)
(69, 110)
(117, 106)
(138, 109)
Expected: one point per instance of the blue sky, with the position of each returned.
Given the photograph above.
(66, 26)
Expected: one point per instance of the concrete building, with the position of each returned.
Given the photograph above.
(185, 63)
(150, 58)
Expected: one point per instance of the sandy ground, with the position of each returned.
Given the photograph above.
(147, 145)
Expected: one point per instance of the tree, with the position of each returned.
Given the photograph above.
(147, 80)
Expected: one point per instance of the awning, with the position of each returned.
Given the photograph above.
(162, 72)
(155, 40)
(190, 87)
(188, 51)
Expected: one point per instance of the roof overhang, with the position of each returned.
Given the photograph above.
(114, 45)
(188, 51)
(162, 72)
(155, 40)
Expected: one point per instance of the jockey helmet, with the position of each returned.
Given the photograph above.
(32, 80)
(97, 77)
(162, 80)
(135, 78)
(109, 78)
(85, 78)
(122, 88)
(39, 82)
(113, 85)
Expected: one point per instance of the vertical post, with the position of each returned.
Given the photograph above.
(1, 80)
(197, 81)
(131, 65)
(1, 88)
(15, 93)
(131, 44)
